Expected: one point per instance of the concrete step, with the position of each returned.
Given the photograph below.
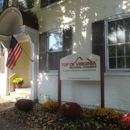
(19, 95)
(23, 90)
(10, 98)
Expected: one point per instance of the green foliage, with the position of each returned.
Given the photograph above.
(51, 106)
(24, 105)
(18, 81)
(70, 110)
(105, 115)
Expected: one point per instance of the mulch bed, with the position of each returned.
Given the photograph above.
(40, 120)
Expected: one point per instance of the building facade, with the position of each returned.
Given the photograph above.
(113, 35)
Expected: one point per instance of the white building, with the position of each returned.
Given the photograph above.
(95, 26)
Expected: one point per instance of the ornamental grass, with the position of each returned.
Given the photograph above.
(105, 115)
(51, 106)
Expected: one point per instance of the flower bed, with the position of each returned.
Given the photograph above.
(37, 118)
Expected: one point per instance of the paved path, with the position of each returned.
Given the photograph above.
(5, 104)
(5, 124)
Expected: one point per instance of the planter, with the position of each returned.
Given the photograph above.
(18, 85)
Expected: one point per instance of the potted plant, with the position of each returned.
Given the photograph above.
(18, 82)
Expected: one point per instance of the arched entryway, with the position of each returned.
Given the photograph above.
(12, 23)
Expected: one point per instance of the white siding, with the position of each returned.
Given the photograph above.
(80, 14)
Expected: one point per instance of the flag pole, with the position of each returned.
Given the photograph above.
(27, 54)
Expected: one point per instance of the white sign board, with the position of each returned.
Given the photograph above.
(80, 66)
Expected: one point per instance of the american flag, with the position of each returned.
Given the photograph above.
(15, 51)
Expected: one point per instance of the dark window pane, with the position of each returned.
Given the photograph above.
(120, 50)
(127, 62)
(1, 5)
(119, 25)
(30, 3)
(120, 36)
(120, 63)
(54, 60)
(112, 51)
(112, 38)
(112, 63)
(127, 47)
(127, 24)
(15, 3)
(44, 3)
(53, 1)
(111, 27)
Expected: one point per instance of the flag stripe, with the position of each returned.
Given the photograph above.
(15, 51)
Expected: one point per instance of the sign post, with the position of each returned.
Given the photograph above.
(102, 79)
(81, 66)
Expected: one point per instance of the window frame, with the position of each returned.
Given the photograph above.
(51, 52)
(43, 40)
(112, 18)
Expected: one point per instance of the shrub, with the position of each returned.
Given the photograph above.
(70, 110)
(18, 81)
(125, 121)
(51, 106)
(105, 115)
(24, 105)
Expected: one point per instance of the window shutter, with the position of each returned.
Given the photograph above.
(42, 52)
(98, 40)
(2, 63)
(98, 37)
(67, 41)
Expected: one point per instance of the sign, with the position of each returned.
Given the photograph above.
(80, 66)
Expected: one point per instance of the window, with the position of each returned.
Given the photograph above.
(118, 44)
(1, 5)
(54, 45)
(23, 4)
(45, 3)
(114, 40)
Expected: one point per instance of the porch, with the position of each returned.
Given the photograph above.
(17, 94)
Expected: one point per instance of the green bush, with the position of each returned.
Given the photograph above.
(70, 110)
(105, 115)
(24, 105)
